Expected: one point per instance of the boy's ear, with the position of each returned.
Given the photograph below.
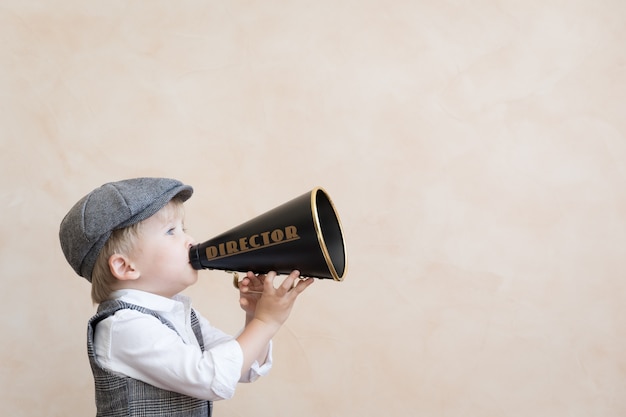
(122, 268)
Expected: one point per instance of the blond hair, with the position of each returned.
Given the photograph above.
(122, 241)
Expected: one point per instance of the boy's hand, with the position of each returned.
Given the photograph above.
(265, 311)
(250, 289)
(275, 303)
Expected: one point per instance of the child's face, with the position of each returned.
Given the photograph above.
(161, 253)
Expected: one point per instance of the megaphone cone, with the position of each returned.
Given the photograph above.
(304, 234)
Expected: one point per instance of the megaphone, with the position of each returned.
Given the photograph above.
(304, 234)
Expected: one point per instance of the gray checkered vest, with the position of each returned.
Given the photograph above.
(121, 396)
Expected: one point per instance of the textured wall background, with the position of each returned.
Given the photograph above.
(475, 152)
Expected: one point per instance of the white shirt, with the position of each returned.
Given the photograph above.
(140, 346)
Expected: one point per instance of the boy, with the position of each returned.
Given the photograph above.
(151, 354)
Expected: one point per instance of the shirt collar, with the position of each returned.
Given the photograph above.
(151, 301)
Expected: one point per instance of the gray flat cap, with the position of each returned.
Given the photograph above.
(89, 224)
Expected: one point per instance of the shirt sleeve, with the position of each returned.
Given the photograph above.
(213, 337)
(141, 347)
(256, 371)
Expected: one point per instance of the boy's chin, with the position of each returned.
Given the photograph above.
(193, 279)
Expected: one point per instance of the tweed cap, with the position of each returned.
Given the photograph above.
(115, 205)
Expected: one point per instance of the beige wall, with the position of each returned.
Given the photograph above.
(476, 154)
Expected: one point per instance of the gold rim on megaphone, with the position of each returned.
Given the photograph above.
(304, 234)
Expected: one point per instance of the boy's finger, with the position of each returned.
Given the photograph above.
(268, 282)
(303, 284)
(287, 284)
